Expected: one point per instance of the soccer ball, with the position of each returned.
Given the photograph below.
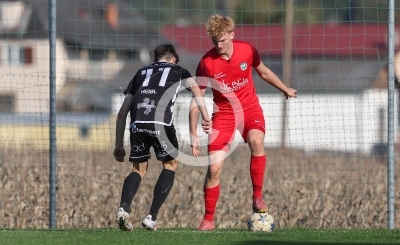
(261, 222)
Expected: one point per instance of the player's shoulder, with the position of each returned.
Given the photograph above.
(242, 44)
(179, 68)
(210, 54)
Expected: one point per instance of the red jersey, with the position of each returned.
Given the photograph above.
(232, 82)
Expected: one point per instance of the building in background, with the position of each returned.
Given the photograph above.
(96, 40)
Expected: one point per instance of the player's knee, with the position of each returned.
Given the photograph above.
(214, 172)
(140, 168)
(142, 173)
(171, 165)
(256, 145)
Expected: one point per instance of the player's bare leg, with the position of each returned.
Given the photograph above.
(211, 189)
(255, 140)
(129, 189)
(214, 171)
(161, 191)
(171, 165)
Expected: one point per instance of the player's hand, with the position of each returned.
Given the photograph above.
(291, 93)
(195, 142)
(206, 124)
(119, 154)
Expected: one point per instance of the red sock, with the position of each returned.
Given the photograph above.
(257, 169)
(211, 196)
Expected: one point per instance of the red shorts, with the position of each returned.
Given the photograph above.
(225, 126)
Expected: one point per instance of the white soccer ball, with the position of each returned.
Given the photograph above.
(261, 222)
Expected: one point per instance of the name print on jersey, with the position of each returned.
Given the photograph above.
(148, 91)
(145, 104)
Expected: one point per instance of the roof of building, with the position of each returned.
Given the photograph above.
(357, 39)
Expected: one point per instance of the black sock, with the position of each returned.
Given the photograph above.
(161, 191)
(129, 189)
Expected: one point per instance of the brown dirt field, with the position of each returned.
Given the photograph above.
(319, 190)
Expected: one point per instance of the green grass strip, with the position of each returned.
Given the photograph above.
(296, 236)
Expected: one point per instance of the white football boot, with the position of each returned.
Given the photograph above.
(124, 220)
(149, 224)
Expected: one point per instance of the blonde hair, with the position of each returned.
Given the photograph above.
(218, 25)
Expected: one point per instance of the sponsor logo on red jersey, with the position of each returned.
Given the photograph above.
(233, 86)
(219, 75)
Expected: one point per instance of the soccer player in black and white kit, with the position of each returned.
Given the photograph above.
(150, 98)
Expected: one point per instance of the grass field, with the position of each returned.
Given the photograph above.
(296, 236)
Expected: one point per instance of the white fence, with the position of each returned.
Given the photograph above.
(339, 122)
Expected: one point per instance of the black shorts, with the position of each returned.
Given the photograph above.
(161, 138)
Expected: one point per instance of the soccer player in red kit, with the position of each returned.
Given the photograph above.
(228, 69)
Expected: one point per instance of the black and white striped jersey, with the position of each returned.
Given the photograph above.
(154, 89)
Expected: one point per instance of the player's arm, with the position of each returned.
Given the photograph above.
(194, 115)
(198, 96)
(119, 151)
(269, 76)
(126, 91)
(194, 111)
